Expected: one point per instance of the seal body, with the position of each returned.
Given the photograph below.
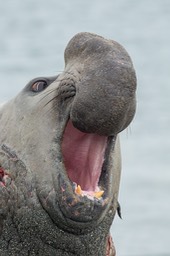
(60, 156)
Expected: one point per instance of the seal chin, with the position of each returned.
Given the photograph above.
(86, 181)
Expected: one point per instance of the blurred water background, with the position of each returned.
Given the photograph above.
(33, 36)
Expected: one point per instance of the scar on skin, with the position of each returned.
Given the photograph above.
(3, 175)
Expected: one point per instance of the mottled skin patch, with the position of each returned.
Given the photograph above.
(39, 212)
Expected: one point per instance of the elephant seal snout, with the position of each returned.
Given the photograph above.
(105, 100)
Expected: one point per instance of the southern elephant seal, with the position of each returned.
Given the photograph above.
(59, 153)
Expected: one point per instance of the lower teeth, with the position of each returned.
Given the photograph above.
(91, 194)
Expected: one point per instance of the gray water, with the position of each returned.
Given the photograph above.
(33, 35)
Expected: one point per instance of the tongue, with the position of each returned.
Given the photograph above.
(83, 155)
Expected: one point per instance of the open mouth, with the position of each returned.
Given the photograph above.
(86, 160)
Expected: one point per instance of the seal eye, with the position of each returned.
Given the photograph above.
(39, 86)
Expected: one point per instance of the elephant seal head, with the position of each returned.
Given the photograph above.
(59, 147)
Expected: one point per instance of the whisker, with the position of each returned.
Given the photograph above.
(56, 96)
(47, 94)
(60, 80)
(47, 112)
(50, 91)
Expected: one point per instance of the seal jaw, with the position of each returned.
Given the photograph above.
(85, 195)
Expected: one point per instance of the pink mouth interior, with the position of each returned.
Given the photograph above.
(83, 155)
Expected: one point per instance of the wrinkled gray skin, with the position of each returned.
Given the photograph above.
(97, 92)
